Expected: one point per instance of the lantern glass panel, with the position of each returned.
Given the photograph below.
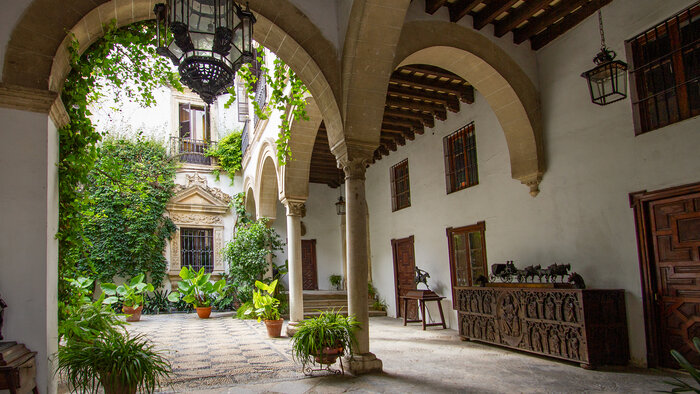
(202, 17)
(178, 11)
(608, 82)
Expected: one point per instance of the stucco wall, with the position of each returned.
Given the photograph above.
(323, 225)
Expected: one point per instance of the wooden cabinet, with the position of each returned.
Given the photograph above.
(584, 326)
(17, 368)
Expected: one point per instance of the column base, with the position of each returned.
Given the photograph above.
(364, 363)
(292, 328)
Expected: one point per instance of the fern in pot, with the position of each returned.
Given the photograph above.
(321, 340)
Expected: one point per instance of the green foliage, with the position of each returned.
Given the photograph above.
(336, 281)
(130, 294)
(228, 154)
(680, 386)
(239, 206)
(227, 301)
(196, 289)
(242, 311)
(114, 359)
(121, 56)
(379, 304)
(265, 305)
(329, 330)
(123, 214)
(371, 290)
(79, 293)
(157, 303)
(287, 92)
(247, 255)
(87, 322)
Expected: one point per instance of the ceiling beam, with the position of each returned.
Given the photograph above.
(433, 108)
(518, 16)
(424, 83)
(426, 120)
(407, 123)
(491, 12)
(569, 21)
(432, 71)
(433, 5)
(449, 101)
(551, 15)
(460, 8)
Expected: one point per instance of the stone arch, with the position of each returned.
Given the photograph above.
(505, 86)
(249, 203)
(295, 173)
(281, 27)
(267, 181)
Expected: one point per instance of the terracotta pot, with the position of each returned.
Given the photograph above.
(329, 355)
(112, 386)
(203, 312)
(132, 314)
(274, 328)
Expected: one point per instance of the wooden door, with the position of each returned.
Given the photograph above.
(308, 264)
(675, 236)
(404, 274)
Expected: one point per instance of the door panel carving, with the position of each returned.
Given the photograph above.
(309, 272)
(404, 270)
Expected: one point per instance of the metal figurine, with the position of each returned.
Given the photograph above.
(3, 305)
(422, 277)
(554, 273)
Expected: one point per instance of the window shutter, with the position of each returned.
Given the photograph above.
(392, 180)
(448, 169)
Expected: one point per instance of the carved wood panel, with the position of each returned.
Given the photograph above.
(584, 326)
(308, 264)
(405, 274)
(675, 232)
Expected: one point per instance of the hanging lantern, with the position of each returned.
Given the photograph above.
(211, 39)
(607, 81)
(340, 206)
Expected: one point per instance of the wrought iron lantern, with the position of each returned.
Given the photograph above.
(607, 81)
(340, 206)
(211, 39)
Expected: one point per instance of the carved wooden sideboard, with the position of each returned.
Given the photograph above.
(585, 326)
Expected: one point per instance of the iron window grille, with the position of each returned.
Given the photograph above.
(460, 159)
(197, 248)
(400, 186)
(665, 76)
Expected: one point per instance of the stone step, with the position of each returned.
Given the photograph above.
(344, 311)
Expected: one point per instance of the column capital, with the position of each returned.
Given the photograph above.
(354, 168)
(295, 207)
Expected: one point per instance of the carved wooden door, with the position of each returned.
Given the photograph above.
(308, 264)
(405, 274)
(675, 234)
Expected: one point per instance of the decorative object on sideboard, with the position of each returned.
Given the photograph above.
(553, 274)
(422, 277)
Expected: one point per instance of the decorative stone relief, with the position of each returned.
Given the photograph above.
(196, 180)
(295, 208)
(354, 168)
(196, 218)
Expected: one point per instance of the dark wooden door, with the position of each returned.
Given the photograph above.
(308, 264)
(675, 236)
(404, 274)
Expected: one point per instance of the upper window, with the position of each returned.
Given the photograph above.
(460, 159)
(197, 248)
(242, 97)
(400, 187)
(194, 122)
(665, 76)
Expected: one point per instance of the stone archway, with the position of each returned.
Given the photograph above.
(267, 182)
(505, 86)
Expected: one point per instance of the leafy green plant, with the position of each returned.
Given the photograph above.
(336, 281)
(242, 216)
(242, 311)
(680, 386)
(78, 293)
(247, 255)
(119, 362)
(371, 290)
(379, 304)
(157, 303)
(265, 305)
(227, 301)
(329, 330)
(196, 289)
(228, 154)
(130, 294)
(88, 321)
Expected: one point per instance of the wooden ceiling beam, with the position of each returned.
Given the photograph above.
(518, 16)
(569, 21)
(434, 71)
(433, 5)
(424, 83)
(551, 15)
(400, 140)
(460, 8)
(426, 120)
(434, 108)
(402, 122)
(491, 12)
(383, 150)
(449, 101)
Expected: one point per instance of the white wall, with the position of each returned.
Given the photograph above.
(323, 225)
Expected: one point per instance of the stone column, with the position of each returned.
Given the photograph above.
(296, 295)
(344, 251)
(362, 361)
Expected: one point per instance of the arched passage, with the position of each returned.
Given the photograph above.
(267, 182)
(504, 85)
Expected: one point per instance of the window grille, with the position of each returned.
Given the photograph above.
(665, 76)
(460, 159)
(400, 186)
(197, 248)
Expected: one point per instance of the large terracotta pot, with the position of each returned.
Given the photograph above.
(203, 312)
(274, 328)
(132, 314)
(329, 355)
(112, 386)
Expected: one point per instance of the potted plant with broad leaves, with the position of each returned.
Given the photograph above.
(323, 339)
(197, 290)
(266, 307)
(130, 294)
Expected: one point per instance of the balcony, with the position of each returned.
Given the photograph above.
(191, 151)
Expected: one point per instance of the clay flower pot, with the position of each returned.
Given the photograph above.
(329, 355)
(132, 314)
(203, 312)
(274, 328)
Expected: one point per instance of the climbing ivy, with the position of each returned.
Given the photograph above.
(287, 92)
(228, 154)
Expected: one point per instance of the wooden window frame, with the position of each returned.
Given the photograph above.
(465, 137)
(677, 90)
(187, 106)
(479, 226)
(396, 201)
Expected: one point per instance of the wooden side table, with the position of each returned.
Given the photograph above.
(422, 296)
(17, 368)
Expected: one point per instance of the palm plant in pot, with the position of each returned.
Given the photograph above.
(130, 294)
(321, 340)
(266, 307)
(197, 290)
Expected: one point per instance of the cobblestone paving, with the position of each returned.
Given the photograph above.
(217, 351)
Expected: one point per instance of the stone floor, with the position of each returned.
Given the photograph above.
(415, 361)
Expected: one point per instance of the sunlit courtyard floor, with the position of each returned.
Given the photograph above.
(225, 355)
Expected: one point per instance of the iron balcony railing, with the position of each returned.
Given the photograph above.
(192, 151)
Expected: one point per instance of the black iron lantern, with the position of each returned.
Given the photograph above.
(211, 39)
(340, 206)
(607, 81)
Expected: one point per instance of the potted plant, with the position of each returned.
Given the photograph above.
(197, 290)
(336, 281)
(266, 307)
(130, 294)
(321, 340)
